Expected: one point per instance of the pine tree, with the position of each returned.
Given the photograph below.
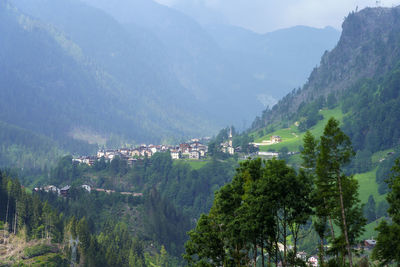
(335, 151)
(388, 242)
(370, 209)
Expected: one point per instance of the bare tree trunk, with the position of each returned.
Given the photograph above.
(321, 253)
(331, 225)
(276, 241)
(262, 254)
(284, 238)
(344, 221)
(276, 252)
(269, 259)
(255, 253)
(15, 220)
(8, 204)
(295, 233)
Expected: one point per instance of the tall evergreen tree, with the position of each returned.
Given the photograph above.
(388, 242)
(335, 151)
(370, 209)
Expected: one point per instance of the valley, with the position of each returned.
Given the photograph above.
(93, 93)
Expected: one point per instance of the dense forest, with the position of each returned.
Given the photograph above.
(190, 190)
(269, 204)
(99, 233)
(265, 215)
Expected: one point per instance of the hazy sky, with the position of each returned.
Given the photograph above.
(268, 15)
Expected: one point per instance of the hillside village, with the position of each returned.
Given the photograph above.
(194, 149)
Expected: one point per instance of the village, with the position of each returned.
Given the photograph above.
(194, 149)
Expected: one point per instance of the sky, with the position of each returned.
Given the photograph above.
(268, 15)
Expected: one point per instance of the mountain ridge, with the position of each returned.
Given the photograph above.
(367, 48)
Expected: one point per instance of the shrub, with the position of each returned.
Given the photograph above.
(36, 251)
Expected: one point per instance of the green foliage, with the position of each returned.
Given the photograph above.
(243, 141)
(65, 172)
(387, 242)
(250, 213)
(384, 170)
(292, 138)
(331, 101)
(336, 194)
(373, 112)
(21, 148)
(37, 250)
(362, 162)
(49, 259)
(164, 223)
(36, 218)
(283, 153)
(309, 114)
(309, 153)
(370, 209)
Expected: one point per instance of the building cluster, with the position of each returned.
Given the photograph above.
(275, 139)
(193, 149)
(312, 261)
(64, 191)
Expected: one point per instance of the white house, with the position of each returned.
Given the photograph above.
(101, 153)
(194, 155)
(313, 261)
(51, 188)
(124, 151)
(175, 154)
(153, 149)
(86, 187)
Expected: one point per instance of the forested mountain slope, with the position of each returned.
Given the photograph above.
(358, 84)
(53, 88)
(119, 74)
(368, 48)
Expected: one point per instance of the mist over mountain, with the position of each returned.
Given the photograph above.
(113, 72)
(52, 88)
(274, 62)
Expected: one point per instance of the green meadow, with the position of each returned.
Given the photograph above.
(292, 138)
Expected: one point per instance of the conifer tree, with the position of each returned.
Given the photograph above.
(388, 242)
(335, 151)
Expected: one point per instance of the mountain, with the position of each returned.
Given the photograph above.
(57, 78)
(267, 60)
(110, 73)
(367, 49)
(232, 84)
(358, 84)
(194, 57)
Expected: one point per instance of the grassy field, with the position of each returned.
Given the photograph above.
(194, 164)
(370, 230)
(376, 157)
(292, 138)
(368, 186)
